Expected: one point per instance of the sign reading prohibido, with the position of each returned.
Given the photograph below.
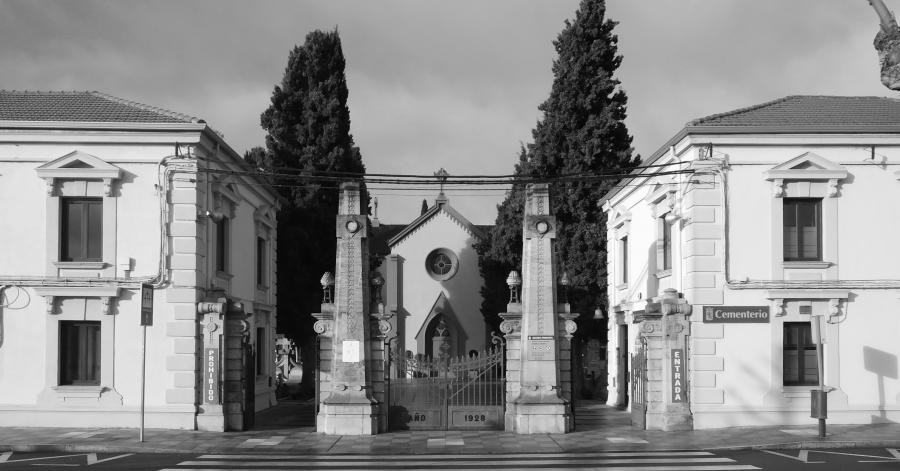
(211, 376)
(679, 377)
(735, 314)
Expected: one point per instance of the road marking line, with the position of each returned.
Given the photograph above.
(737, 467)
(802, 456)
(614, 454)
(92, 458)
(492, 463)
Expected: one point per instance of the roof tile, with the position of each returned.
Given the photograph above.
(82, 107)
(811, 110)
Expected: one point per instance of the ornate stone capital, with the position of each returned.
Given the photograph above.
(778, 187)
(509, 327)
(323, 327)
(833, 187)
(51, 304)
(779, 307)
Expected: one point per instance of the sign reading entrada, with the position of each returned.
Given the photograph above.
(735, 314)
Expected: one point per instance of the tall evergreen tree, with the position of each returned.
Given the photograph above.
(308, 131)
(582, 132)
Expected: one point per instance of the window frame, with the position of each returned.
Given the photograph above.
(801, 349)
(796, 202)
(87, 234)
(83, 331)
(666, 229)
(222, 239)
(262, 255)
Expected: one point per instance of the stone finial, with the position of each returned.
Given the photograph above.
(514, 281)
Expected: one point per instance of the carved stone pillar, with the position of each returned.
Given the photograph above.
(666, 330)
(538, 407)
(347, 406)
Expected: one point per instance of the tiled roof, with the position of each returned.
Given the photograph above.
(807, 110)
(82, 107)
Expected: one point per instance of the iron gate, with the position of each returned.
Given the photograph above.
(639, 387)
(447, 393)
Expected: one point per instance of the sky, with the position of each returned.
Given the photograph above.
(438, 83)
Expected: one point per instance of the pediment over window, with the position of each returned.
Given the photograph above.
(265, 215)
(808, 166)
(78, 165)
(226, 196)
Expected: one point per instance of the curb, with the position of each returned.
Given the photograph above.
(89, 448)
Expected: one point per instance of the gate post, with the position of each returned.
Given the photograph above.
(538, 407)
(347, 406)
(666, 329)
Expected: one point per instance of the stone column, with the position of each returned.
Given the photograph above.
(347, 407)
(538, 408)
(667, 330)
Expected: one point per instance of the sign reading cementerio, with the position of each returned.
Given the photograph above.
(736, 314)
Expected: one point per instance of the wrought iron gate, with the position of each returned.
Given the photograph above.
(448, 392)
(639, 387)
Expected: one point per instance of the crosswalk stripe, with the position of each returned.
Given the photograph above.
(674, 467)
(483, 463)
(611, 454)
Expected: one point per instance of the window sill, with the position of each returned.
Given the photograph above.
(663, 273)
(806, 264)
(80, 396)
(82, 265)
(622, 286)
(797, 391)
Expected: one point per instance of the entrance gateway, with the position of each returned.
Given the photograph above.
(366, 385)
(446, 393)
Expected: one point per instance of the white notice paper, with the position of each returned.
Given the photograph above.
(351, 351)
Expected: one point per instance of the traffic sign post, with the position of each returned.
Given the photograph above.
(146, 319)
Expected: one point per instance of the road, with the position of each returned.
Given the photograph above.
(874, 459)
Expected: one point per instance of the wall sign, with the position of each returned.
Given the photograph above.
(541, 347)
(146, 304)
(679, 376)
(736, 314)
(211, 376)
(350, 351)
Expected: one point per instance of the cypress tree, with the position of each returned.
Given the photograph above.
(582, 132)
(308, 131)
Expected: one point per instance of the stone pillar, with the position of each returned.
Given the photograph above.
(222, 398)
(347, 406)
(666, 331)
(538, 408)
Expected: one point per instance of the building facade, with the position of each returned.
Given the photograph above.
(105, 198)
(767, 225)
(432, 285)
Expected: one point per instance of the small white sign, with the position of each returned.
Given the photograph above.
(351, 351)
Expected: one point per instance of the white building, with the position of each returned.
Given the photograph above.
(791, 215)
(102, 196)
(432, 285)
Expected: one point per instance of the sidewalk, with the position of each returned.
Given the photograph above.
(288, 428)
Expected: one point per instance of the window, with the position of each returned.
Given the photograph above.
(666, 244)
(222, 245)
(441, 264)
(261, 255)
(79, 353)
(261, 353)
(623, 257)
(802, 229)
(81, 229)
(800, 367)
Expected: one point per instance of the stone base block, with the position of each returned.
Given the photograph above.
(211, 418)
(539, 418)
(347, 419)
(670, 421)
